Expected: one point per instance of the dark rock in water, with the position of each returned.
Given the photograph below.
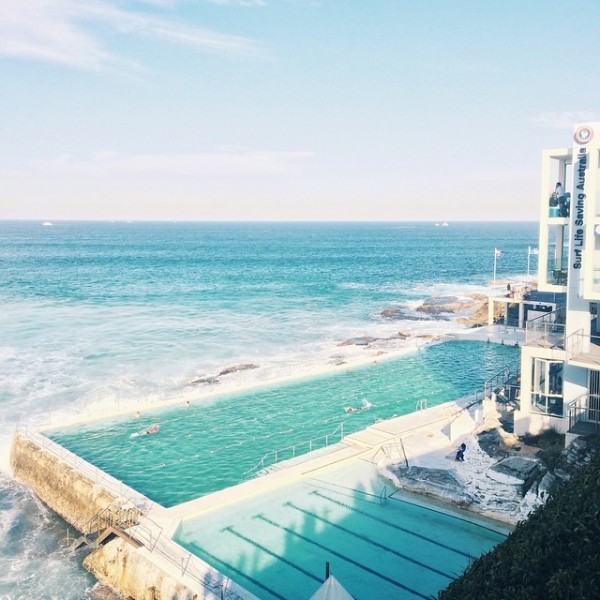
(212, 379)
(442, 304)
(438, 483)
(364, 340)
(237, 368)
(337, 360)
(391, 313)
(440, 300)
(398, 314)
(209, 380)
(471, 310)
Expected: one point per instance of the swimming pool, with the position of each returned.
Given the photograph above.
(276, 545)
(216, 443)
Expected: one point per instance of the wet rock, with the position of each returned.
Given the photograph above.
(336, 359)
(208, 380)
(398, 314)
(391, 313)
(440, 304)
(236, 368)
(364, 340)
(471, 310)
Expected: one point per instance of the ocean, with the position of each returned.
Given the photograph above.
(97, 316)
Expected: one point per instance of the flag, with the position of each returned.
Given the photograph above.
(533, 250)
(498, 253)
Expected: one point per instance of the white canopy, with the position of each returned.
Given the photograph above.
(331, 590)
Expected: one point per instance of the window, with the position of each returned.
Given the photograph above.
(547, 386)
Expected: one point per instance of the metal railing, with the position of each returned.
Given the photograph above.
(274, 456)
(583, 347)
(118, 489)
(150, 535)
(547, 330)
(501, 381)
(394, 447)
(585, 411)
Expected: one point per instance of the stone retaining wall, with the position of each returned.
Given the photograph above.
(68, 493)
(132, 571)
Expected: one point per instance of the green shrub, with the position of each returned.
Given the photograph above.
(554, 555)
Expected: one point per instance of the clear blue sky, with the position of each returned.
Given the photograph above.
(288, 109)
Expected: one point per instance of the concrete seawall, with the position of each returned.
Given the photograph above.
(125, 566)
(70, 494)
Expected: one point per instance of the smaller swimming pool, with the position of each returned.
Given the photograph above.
(276, 545)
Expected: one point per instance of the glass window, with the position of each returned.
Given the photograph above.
(547, 386)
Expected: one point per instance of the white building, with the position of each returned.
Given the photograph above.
(560, 361)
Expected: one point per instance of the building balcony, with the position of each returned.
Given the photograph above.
(547, 331)
(584, 350)
(557, 272)
(584, 415)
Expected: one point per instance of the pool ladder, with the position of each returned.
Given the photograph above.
(383, 495)
(111, 521)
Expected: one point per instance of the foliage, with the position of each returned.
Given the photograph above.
(554, 555)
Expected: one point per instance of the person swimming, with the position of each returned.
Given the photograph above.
(154, 428)
(366, 405)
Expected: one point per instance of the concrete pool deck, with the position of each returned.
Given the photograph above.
(427, 437)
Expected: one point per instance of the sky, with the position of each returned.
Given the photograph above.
(270, 110)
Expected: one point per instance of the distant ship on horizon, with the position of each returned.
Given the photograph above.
(47, 224)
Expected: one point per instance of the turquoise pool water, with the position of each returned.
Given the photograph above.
(276, 545)
(216, 443)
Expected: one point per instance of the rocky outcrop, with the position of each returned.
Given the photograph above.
(207, 380)
(436, 305)
(399, 314)
(237, 368)
(214, 379)
(364, 340)
(490, 442)
(578, 454)
(436, 483)
(519, 471)
(470, 310)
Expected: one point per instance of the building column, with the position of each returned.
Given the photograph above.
(521, 315)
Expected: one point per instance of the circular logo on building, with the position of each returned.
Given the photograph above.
(583, 134)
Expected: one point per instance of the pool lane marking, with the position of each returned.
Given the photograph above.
(344, 557)
(373, 542)
(264, 549)
(244, 575)
(398, 527)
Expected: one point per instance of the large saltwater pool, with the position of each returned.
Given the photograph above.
(217, 442)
